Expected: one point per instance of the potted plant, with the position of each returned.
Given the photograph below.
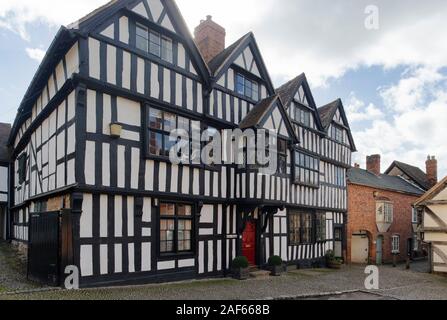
(240, 268)
(332, 261)
(276, 265)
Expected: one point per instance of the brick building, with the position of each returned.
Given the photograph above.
(381, 221)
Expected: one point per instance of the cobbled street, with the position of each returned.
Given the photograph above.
(325, 284)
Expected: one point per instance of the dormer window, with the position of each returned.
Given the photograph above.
(337, 134)
(301, 115)
(154, 43)
(246, 87)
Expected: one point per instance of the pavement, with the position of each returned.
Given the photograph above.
(312, 284)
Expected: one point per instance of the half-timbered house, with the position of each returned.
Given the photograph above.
(91, 154)
(432, 213)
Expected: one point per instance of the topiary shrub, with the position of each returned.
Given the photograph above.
(275, 261)
(240, 263)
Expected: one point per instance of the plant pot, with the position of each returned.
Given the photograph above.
(276, 271)
(334, 265)
(241, 273)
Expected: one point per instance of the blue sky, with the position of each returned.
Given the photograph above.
(392, 80)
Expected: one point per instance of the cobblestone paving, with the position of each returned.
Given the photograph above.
(12, 271)
(395, 283)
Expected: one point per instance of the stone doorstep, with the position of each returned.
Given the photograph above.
(260, 274)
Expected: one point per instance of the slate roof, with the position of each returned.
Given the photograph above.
(327, 112)
(419, 176)
(287, 91)
(257, 113)
(219, 60)
(5, 130)
(383, 181)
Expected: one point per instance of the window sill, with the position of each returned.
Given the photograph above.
(191, 165)
(176, 256)
(313, 186)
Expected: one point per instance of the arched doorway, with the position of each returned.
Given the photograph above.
(379, 250)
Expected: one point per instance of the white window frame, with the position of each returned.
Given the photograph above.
(395, 244)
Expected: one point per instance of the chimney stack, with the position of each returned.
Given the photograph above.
(432, 170)
(373, 164)
(209, 38)
(357, 166)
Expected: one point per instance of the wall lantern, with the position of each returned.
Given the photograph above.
(115, 130)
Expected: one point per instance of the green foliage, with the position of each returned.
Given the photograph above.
(240, 263)
(275, 261)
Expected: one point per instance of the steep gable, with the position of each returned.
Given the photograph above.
(298, 90)
(114, 21)
(270, 114)
(244, 54)
(334, 112)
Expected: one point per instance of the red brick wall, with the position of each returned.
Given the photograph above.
(362, 217)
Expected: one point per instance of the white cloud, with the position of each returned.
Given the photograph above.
(17, 15)
(414, 132)
(35, 54)
(322, 38)
(358, 111)
(413, 90)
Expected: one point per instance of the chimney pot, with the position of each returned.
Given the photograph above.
(209, 38)
(373, 164)
(432, 170)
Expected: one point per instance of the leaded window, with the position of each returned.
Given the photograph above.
(306, 169)
(160, 126)
(247, 87)
(176, 227)
(320, 226)
(154, 43)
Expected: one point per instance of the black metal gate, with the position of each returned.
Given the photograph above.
(44, 248)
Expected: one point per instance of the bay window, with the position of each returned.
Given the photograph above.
(320, 226)
(301, 227)
(160, 125)
(176, 227)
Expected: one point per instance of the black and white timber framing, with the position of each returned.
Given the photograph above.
(94, 75)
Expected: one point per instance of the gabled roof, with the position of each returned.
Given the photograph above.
(327, 114)
(5, 129)
(441, 185)
(366, 178)
(419, 176)
(259, 113)
(222, 57)
(62, 42)
(287, 93)
(219, 64)
(67, 36)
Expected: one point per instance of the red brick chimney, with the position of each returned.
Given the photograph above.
(209, 38)
(373, 164)
(432, 171)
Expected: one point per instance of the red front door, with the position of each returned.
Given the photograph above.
(249, 242)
